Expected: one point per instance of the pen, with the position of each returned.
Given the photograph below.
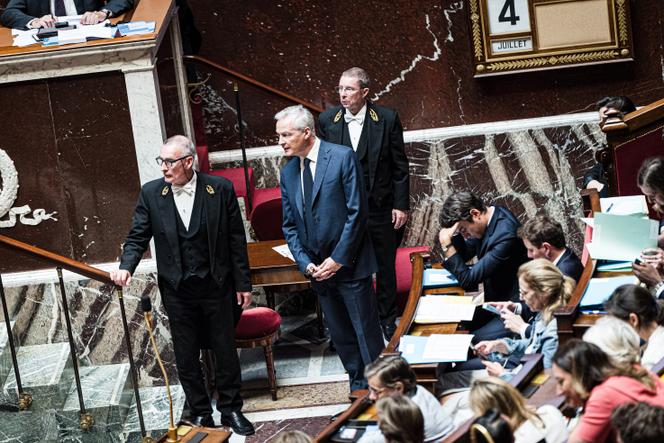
(609, 208)
(505, 363)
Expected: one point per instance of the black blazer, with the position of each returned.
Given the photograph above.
(500, 252)
(388, 165)
(570, 265)
(19, 12)
(155, 216)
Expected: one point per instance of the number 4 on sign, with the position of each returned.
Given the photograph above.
(512, 17)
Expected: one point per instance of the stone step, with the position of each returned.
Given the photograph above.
(155, 412)
(5, 354)
(107, 395)
(46, 373)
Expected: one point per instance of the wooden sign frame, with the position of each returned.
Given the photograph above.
(510, 36)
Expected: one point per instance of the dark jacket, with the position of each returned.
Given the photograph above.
(388, 166)
(155, 215)
(19, 12)
(500, 252)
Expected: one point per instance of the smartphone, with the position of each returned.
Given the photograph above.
(638, 261)
(491, 309)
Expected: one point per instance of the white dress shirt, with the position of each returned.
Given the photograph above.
(184, 200)
(355, 123)
(313, 156)
(70, 7)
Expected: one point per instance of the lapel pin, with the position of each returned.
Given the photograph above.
(209, 189)
(372, 114)
(164, 191)
(338, 116)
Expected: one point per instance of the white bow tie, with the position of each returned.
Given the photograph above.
(186, 189)
(349, 118)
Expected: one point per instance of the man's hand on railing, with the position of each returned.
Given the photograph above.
(121, 277)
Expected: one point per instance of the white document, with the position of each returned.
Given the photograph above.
(626, 205)
(447, 347)
(442, 309)
(284, 251)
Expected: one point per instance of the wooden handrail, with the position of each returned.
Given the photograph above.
(253, 82)
(58, 260)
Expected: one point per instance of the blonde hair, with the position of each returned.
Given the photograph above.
(617, 339)
(400, 419)
(495, 393)
(292, 437)
(552, 287)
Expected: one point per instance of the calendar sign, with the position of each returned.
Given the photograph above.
(508, 16)
(510, 36)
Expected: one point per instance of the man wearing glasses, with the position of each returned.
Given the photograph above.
(202, 272)
(376, 135)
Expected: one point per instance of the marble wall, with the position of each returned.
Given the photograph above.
(418, 54)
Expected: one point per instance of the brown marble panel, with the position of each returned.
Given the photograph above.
(418, 54)
(25, 110)
(96, 160)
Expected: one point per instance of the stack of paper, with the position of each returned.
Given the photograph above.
(444, 309)
(136, 28)
(621, 237)
(438, 278)
(626, 205)
(614, 266)
(437, 348)
(600, 289)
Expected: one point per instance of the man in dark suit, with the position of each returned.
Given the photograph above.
(472, 229)
(33, 14)
(202, 272)
(376, 135)
(325, 225)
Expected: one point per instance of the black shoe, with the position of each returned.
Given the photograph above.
(204, 421)
(238, 423)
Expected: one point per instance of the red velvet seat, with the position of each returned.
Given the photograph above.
(404, 271)
(260, 327)
(266, 217)
(236, 176)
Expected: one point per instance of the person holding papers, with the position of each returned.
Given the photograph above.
(472, 229)
(393, 375)
(32, 14)
(544, 289)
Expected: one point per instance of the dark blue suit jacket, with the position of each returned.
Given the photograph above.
(18, 13)
(500, 252)
(570, 265)
(339, 210)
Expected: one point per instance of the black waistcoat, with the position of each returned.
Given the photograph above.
(194, 244)
(361, 152)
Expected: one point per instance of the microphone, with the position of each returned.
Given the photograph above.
(146, 307)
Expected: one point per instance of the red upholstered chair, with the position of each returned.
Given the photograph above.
(266, 217)
(260, 327)
(236, 176)
(404, 270)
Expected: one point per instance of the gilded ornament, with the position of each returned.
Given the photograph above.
(338, 116)
(209, 189)
(373, 115)
(164, 191)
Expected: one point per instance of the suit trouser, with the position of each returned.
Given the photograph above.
(201, 316)
(352, 318)
(383, 238)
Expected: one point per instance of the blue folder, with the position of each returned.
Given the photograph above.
(599, 290)
(438, 278)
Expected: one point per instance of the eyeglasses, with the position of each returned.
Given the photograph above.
(347, 89)
(169, 163)
(376, 391)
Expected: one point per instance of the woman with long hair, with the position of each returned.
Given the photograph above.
(400, 420)
(544, 289)
(590, 380)
(636, 306)
(528, 425)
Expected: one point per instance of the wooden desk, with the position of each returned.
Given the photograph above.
(270, 271)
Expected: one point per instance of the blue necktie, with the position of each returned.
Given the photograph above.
(308, 186)
(59, 6)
